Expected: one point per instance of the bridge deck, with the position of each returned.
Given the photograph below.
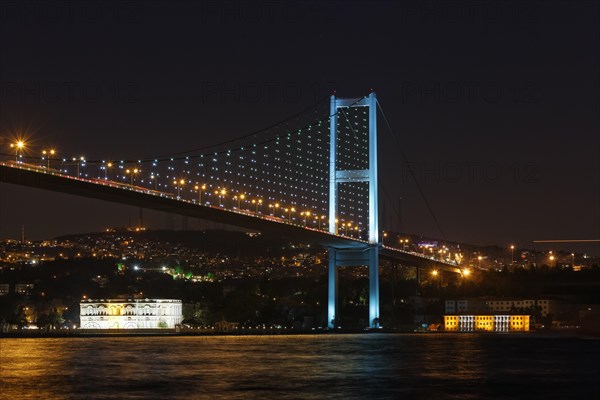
(37, 177)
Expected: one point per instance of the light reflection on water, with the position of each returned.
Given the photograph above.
(382, 366)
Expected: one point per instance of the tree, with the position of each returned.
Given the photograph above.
(55, 318)
(42, 320)
(21, 318)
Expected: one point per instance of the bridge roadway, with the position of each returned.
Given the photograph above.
(49, 179)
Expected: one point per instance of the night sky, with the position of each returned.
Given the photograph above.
(496, 103)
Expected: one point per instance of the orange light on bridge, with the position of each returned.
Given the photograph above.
(19, 145)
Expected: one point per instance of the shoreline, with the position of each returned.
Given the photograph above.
(78, 334)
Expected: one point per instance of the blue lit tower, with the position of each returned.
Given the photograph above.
(340, 173)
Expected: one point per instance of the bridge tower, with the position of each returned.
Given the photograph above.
(368, 255)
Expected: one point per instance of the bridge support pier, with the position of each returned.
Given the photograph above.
(353, 257)
(333, 290)
(339, 174)
(373, 288)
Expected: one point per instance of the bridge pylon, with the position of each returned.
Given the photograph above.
(370, 254)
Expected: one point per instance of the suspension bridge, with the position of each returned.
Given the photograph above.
(310, 177)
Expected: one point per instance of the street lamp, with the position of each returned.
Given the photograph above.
(273, 207)
(200, 188)
(47, 154)
(106, 167)
(305, 214)
(154, 178)
(81, 160)
(257, 203)
(434, 274)
(179, 184)
(512, 253)
(239, 199)
(479, 258)
(132, 173)
(321, 220)
(572, 260)
(19, 145)
(221, 193)
(289, 211)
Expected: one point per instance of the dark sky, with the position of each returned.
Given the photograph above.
(496, 103)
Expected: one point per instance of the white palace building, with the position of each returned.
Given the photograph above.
(130, 314)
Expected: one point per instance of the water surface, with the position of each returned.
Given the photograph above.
(369, 366)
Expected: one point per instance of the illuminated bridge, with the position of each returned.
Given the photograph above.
(311, 177)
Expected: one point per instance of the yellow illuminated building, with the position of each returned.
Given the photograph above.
(519, 323)
(486, 323)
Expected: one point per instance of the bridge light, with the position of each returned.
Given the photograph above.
(19, 145)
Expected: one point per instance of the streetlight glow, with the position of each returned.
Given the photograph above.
(19, 145)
